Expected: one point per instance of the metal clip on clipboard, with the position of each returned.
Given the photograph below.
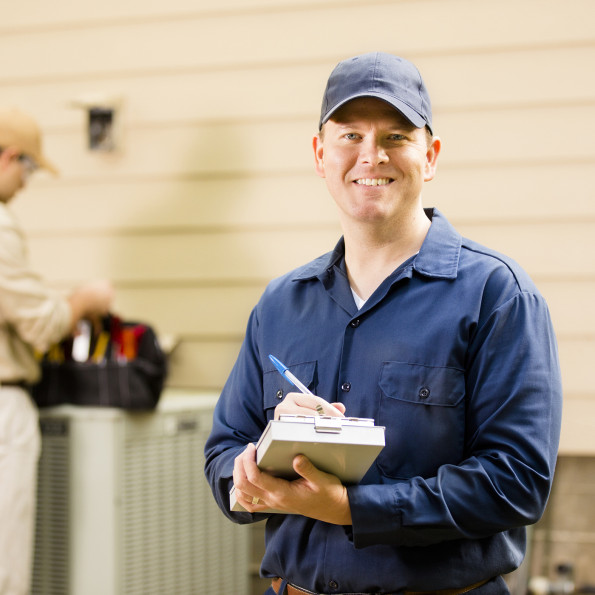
(327, 424)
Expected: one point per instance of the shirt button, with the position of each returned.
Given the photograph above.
(346, 387)
(424, 392)
(333, 584)
(280, 393)
(354, 323)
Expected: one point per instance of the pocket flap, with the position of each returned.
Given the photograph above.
(276, 386)
(418, 383)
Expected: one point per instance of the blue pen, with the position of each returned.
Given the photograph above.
(289, 376)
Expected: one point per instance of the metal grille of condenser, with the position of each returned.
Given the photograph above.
(50, 566)
(167, 535)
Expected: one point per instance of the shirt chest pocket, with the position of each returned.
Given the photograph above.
(423, 410)
(276, 387)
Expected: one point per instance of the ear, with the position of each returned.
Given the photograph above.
(317, 145)
(7, 156)
(432, 159)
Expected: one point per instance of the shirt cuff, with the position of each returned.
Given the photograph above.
(375, 514)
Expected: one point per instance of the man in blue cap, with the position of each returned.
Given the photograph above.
(446, 343)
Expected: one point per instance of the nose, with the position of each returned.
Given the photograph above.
(372, 151)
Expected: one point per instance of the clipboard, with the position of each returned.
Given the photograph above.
(343, 446)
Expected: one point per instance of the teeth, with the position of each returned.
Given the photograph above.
(373, 181)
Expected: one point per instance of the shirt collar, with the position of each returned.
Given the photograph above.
(438, 256)
(440, 251)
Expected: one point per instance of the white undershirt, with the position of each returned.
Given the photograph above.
(359, 302)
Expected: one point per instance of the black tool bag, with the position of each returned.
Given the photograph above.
(126, 368)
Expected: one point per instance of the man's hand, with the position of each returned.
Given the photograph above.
(91, 300)
(314, 494)
(301, 404)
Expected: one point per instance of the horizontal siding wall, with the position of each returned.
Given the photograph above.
(211, 192)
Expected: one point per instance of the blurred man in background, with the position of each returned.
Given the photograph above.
(32, 318)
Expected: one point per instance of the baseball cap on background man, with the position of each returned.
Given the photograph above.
(384, 76)
(20, 130)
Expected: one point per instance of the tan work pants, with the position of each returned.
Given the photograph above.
(20, 445)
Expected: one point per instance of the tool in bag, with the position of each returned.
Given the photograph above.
(118, 365)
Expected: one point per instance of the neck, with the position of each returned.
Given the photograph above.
(371, 255)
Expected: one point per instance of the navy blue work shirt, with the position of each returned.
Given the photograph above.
(455, 355)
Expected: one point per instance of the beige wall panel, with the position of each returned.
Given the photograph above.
(571, 303)
(184, 149)
(202, 364)
(524, 191)
(518, 135)
(577, 355)
(546, 250)
(277, 37)
(244, 256)
(40, 14)
(206, 312)
(281, 200)
(484, 80)
(512, 76)
(170, 96)
(578, 426)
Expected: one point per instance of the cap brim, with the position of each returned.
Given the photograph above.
(407, 111)
(43, 163)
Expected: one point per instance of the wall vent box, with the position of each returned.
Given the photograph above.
(124, 507)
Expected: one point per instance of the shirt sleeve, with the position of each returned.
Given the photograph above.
(238, 419)
(512, 417)
(38, 315)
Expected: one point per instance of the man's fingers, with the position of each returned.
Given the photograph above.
(302, 404)
(241, 464)
(340, 407)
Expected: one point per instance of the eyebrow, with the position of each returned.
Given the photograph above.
(396, 119)
(401, 126)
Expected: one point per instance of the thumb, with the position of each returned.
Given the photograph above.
(340, 407)
(304, 467)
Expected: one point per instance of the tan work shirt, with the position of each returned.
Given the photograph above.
(32, 316)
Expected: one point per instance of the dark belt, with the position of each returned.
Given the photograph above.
(291, 590)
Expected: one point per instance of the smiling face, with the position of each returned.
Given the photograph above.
(375, 162)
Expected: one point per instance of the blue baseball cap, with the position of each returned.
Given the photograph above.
(377, 74)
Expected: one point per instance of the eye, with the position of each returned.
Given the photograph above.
(351, 136)
(396, 137)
